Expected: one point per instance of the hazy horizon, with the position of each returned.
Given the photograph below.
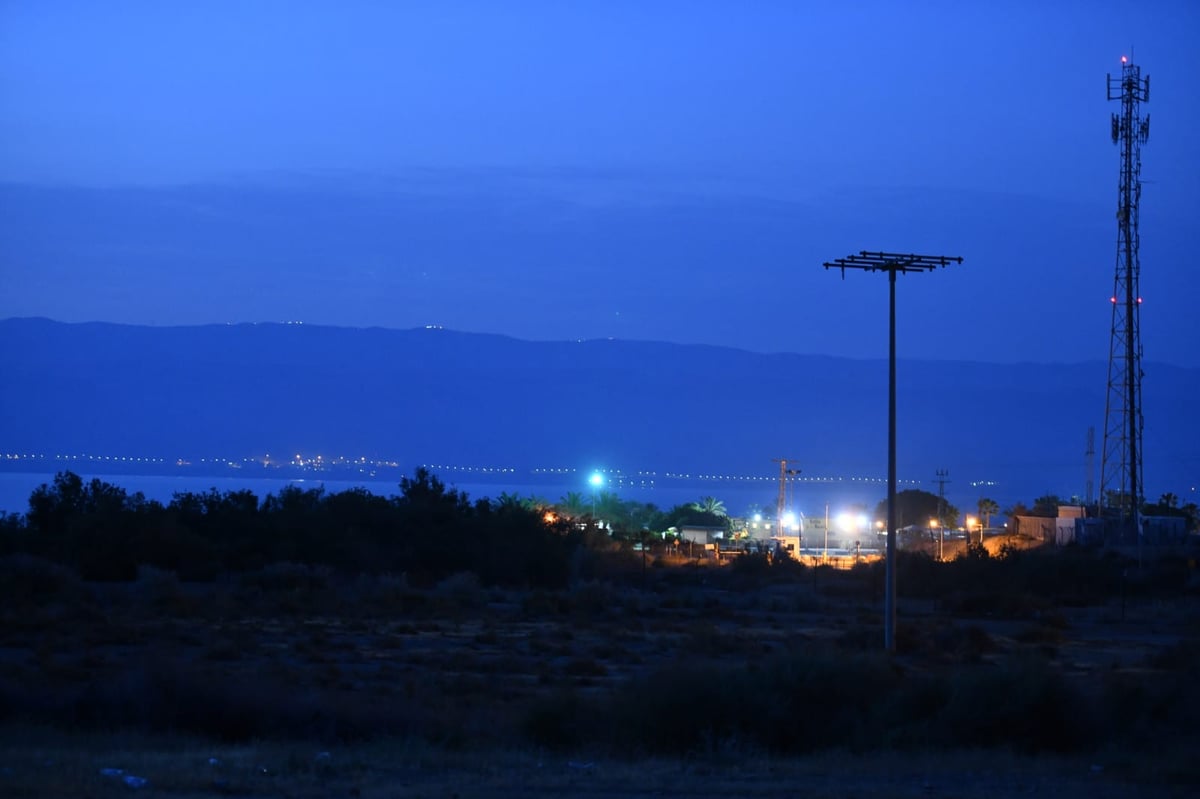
(672, 172)
(440, 397)
(881, 359)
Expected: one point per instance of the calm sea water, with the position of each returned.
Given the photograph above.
(15, 488)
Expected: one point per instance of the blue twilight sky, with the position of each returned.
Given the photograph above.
(643, 170)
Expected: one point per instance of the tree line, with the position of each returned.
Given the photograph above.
(919, 508)
(426, 531)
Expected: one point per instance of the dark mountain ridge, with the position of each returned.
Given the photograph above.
(440, 396)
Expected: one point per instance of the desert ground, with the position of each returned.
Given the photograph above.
(632, 682)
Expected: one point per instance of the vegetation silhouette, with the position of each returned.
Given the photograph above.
(428, 532)
(915, 507)
(419, 615)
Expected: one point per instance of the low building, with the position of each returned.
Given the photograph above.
(702, 534)
(1039, 528)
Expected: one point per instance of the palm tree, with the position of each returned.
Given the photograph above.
(1193, 514)
(710, 505)
(1018, 508)
(986, 508)
(1047, 505)
(507, 501)
(573, 505)
(535, 503)
(612, 509)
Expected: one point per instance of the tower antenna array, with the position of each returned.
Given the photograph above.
(893, 263)
(1121, 486)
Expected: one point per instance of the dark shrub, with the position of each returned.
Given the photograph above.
(689, 708)
(1023, 704)
(288, 577)
(793, 702)
(171, 696)
(558, 721)
(30, 580)
(752, 566)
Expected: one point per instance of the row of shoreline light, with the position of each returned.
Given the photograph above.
(643, 478)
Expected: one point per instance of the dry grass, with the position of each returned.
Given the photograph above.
(455, 689)
(37, 762)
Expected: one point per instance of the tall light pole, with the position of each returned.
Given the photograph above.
(825, 553)
(942, 474)
(891, 263)
(596, 481)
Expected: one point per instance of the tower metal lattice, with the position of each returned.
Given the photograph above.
(1121, 489)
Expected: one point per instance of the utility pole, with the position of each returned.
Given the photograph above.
(1091, 466)
(942, 474)
(796, 515)
(1121, 484)
(891, 263)
(825, 552)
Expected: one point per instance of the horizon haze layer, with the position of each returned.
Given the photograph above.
(438, 396)
(564, 255)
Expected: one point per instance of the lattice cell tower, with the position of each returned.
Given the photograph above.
(1121, 488)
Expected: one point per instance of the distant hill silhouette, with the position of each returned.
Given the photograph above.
(438, 396)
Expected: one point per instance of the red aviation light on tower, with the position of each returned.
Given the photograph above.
(1122, 465)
